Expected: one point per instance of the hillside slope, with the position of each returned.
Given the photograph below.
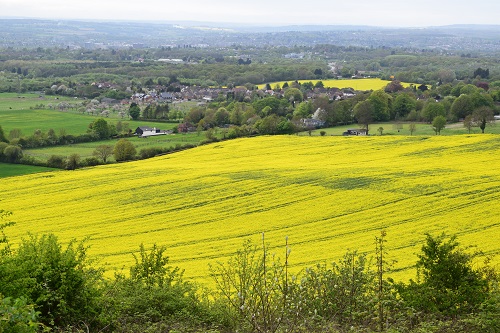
(327, 194)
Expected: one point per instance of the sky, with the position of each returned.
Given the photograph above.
(391, 13)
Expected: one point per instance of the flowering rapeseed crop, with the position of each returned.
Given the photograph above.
(356, 84)
(327, 194)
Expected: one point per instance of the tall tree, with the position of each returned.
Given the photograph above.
(381, 103)
(100, 128)
(134, 111)
(468, 123)
(438, 124)
(482, 116)
(363, 112)
(103, 152)
(13, 153)
(404, 104)
(432, 109)
(2, 136)
(294, 95)
(462, 106)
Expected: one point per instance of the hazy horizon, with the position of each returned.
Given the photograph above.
(391, 13)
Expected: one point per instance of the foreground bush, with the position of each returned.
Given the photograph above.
(46, 285)
(153, 297)
(59, 281)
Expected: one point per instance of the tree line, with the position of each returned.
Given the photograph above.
(243, 112)
(284, 112)
(37, 69)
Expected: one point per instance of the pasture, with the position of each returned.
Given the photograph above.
(327, 194)
(86, 149)
(17, 112)
(356, 84)
(9, 170)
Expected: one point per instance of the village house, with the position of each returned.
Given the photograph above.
(145, 131)
(309, 122)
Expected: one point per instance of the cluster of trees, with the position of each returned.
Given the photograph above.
(11, 153)
(445, 102)
(25, 70)
(283, 113)
(77, 78)
(154, 111)
(45, 285)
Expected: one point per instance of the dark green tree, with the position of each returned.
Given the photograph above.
(294, 95)
(134, 111)
(462, 106)
(447, 281)
(221, 117)
(404, 104)
(100, 128)
(393, 87)
(268, 125)
(483, 73)
(3, 145)
(56, 161)
(2, 136)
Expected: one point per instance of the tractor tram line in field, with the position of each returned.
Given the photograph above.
(326, 194)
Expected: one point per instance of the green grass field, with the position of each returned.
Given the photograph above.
(86, 149)
(9, 170)
(16, 113)
(327, 194)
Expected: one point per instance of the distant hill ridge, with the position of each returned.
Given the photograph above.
(25, 32)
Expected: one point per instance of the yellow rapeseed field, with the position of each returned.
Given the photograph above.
(327, 194)
(356, 84)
